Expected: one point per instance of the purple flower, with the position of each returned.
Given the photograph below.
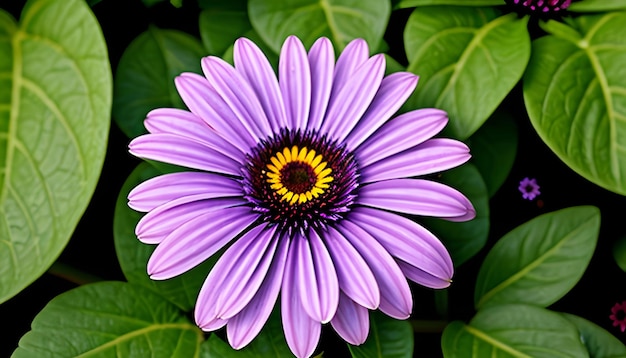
(543, 5)
(618, 315)
(303, 181)
(529, 188)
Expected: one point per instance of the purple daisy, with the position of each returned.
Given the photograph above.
(529, 188)
(618, 315)
(308, 182)
(544, 6)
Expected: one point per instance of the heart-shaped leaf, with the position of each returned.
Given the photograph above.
(339, 20)
(110, 319)
(55, 102)
(598, 341)
(468, 60)
(221, 23)
(145, 75)
(575, 94)
(539, 261)
(513, 331)
(388, 338)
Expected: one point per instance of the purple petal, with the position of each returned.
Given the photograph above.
(432, 156)
(237, 275)
(301, 331)
(294, 75)
(316, 278)
(393, 92)
(322, 61)
(204, 101)
(169, 148)
(356, 279)
(156, 225)
(422, 277)
(395, 295)
(352, 321)
(401, 133)
(212, 325)
(236, 92)
(164, 188)
(352, 57)
(256, 69)
(197, 240)
(188, 125)
(408, 241)
(418, 197)
(351, 102)
(248, 323)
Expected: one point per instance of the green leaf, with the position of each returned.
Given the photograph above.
(619, 253)
(539, 261)
(520, 331)
(145, 75)
(339, 20)
(597, 6)
(110, 319)
(388, 338)
(464, 239)
(221, 23)
(493, 149)
(468, 60)
(575, 94)
(269, 343)
(133, 255)
(414, 3)
(55, 105)
(599, 342)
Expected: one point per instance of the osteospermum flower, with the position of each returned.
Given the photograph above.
(309, 181)
(542, 6)
(618, 315)
(529, 188)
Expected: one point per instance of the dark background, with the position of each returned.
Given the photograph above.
(91, 248)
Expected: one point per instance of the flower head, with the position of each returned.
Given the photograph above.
(529, 188)
(309, 181)
(618, 315)
(542, 6)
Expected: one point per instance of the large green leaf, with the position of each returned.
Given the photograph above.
(464, 239)
(145, 75)
(388, 338)
(520, 331)
(414, 3)
(539, 261)
(221, 23)
(55, 103)
(599, 342)
(339, 20)
(110, 319)
(597, 5)
(133, 255)
(619, 252)
(493, 149)
(575, 94)
(468, 60)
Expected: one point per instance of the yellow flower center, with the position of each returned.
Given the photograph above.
(298, 175)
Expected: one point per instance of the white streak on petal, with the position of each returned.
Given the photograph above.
(294, 75)
(322, 60)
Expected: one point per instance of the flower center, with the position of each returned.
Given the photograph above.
(297, 180)
(542, 6)
(298, 175)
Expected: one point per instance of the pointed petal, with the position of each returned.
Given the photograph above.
(434, 155)
(225, 286)
(401, 133)
(408, 241)
(236, 92)
(418, 197)
(422, 277)
(204, 101)
(188, 125)
(352, 321)
(247, 324)
(322, 61)
(164, 188)
(197, 240)
(393, 92)
(172, 149)
(256, 69)
(294, 75)
(156, 225)
(349, 104)
(352, 57)
(356, 279)
(301, 331)
(395, 295)
(213, 325)
(326, 278)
